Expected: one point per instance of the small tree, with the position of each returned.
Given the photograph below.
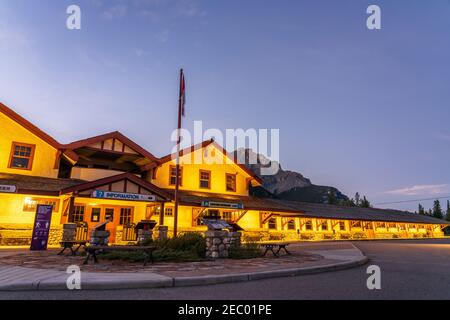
(437, 211)
(421, 209)
(447, 215)
(364, 203)
(357, 199)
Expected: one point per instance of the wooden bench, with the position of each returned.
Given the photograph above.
(70, 244)
(275, 246)
(93, 250)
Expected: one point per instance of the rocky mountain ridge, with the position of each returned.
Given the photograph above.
(285, 184)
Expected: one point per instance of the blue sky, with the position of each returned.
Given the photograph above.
(361, 110)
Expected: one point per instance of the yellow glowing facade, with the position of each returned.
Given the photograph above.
(208, 160)
(68, 176)
(44, 154)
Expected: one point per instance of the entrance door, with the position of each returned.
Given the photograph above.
(111, 227)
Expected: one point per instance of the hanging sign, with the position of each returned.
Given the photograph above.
(6, 188)
(41, 227)
(123, 196)
(225, 205)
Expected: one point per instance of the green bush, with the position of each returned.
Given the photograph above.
(186, 247)
(246, 251)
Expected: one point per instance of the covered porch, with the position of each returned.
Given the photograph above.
(124, 200)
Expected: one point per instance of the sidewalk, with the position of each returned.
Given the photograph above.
(307, 258)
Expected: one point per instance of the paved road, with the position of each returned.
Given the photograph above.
(409, 270)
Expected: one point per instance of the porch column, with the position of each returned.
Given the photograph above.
(71, 209)
(161, 214)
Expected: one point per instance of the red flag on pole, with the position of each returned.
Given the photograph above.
(181, 113)
(182, 93)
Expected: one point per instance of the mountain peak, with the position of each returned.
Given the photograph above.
(289, 185)
(280, 182)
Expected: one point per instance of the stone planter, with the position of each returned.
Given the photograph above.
(218, 243)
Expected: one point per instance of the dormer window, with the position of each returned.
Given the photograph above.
(231, 182)
(22, 155)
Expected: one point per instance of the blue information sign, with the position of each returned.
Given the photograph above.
(41, 227)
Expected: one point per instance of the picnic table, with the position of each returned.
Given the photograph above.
(93, 250)
(70, 244)
(275, 246)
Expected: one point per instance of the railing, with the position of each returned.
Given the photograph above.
(82, 231)
(129, 232)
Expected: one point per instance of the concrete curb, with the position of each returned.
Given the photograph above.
(159, 281)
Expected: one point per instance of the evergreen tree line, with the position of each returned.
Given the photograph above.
(436, 211)
(353, 202)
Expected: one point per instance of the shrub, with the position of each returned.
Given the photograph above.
(246, 251)
(186, 247)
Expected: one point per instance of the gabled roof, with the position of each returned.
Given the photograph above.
(112, 135)
(328, 211)
(109, 180)
(37, 185)
(205, 144)
(36, 131)
(286, 208)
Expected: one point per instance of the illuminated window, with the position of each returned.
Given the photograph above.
(95, 215)
(152, 210)
(291, 225)
(342, 225)
(402, 226)
(168, 212)
(126, 216)
(214, 214)
(78, 214)
(30, 204)
(273, 223)
(21, 156)
(356, 224)
(227, 215)
(109, 214)
(173, 176)
(231, 182)
(324, 226)
(205, 179)
(391, 225)
(308, 225)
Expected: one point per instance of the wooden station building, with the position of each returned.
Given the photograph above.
(111, 177)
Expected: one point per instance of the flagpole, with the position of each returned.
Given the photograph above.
(177, 172)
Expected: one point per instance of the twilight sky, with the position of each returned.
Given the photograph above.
(361, 110)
